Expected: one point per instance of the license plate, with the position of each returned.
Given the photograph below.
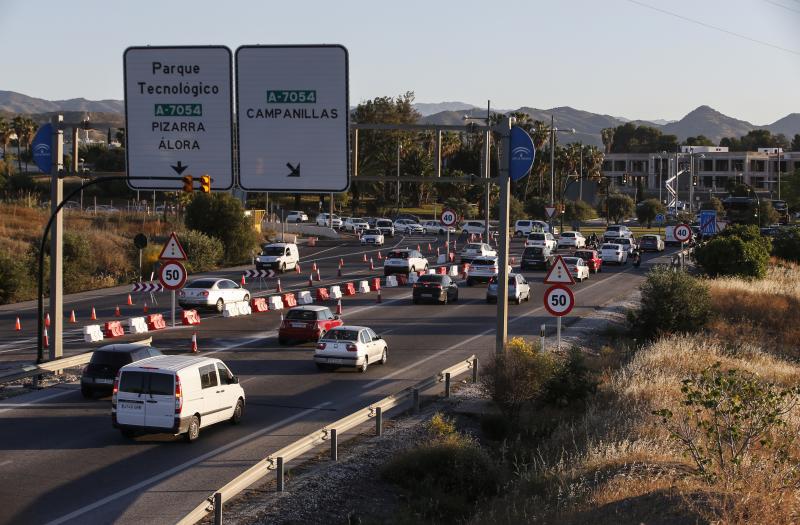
(130, 406)
(104, 381)
(332, 361)
(298, 325)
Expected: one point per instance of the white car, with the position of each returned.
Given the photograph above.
(523, 228)
(351, 346)
(437, 227)
(323, 219)
(476, 249)
(482, 269)
(613, 253)
(296, 216)
(372, 237)
(278, 256)
(215, 293)
(404, 261)
(578, 268)
(354, 224)
(385, 226)
(542, 239)
(408, 227)
(572, 240)
(615, 231)
(175, 394)
(627, 243)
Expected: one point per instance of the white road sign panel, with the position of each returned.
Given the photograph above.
(559, 300)
(173, 249)
(448, 217)
(549, 210)
(179, 115)
(172, 275)
(559, 273)
(682, 233)
(292, 114)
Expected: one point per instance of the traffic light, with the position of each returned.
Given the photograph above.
(187, 184)
(625, 178)
(205, 184)
(694, 180)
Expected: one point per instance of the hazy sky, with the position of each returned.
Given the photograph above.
(608, 56)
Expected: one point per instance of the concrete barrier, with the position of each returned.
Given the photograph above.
(335, 292)
(363, 286)
(304, 297)
(391, 281)
(137, 325)
(275, 302)
(453, 271)
(92, 333)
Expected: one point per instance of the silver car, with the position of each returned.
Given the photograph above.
(215, 293)
(518, 289)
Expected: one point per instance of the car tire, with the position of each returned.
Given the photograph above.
(283, 267)
(236, 418)
(415, 300)
(470, 282)
(518, 300)
(220, 306)
(363, 368)
(127, 433)
(518, 234)
(193, 432)
(87, 392)
(246, 298)
(385, 356)
(283, 341)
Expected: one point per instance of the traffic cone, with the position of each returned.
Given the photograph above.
(297, 268)
(339, 307)
(371, 264)
(194, 343)
(17, 325)
(279, 289)
(380, 256)
(243, 281)
(437, 252)
(418, 248)
(46, 339)
(145, 307)
(130, 301)
(513, 261)
(313, 267)
(380, 300)
(365, 257)
(72, 317)
(94, 315)
(429, 248)
(319, 278)
(311, 279)
(117, 312)
(47, 320)
(341, 262)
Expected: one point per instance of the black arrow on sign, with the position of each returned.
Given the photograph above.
(179, 168)
(295, 171)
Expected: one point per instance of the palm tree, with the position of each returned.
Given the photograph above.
(29, 131)
(5, 134)
(18, 126)
(607, 135)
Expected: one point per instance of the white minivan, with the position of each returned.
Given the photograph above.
(175, 394)
(279, 256)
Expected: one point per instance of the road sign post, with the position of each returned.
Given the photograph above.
(293, 117)
(172, 276)
(683, 234)
(558, 301)
(448, 219)
(179, 114)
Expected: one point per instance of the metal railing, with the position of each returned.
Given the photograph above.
(277, 460)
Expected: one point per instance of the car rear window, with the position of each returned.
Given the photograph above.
(484, 261)
(427, 278)
(384, 223)
(132, 382)
(583, 255)
(474, 246)
(342, 335)
(397, 255)
(536, 237)
(372, 232)
(161, 385)
(112, 359)
(533, 250)
(611, 247)
(302, 315)
(568, 234)
(572, 260)
(201, 283)
(613, 229)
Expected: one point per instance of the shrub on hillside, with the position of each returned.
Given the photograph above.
(738, 251)
(220, 215)
(203, 252)
(573, 381)
(13, 277)
(579, 211)
(672, 302)
(786, 244)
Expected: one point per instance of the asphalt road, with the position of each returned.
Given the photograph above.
(62, 462)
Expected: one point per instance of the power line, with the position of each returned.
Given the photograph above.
(698, 22)
(783, 6)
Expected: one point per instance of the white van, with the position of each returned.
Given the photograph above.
(523, 228)
(279, 256)
(175, 394)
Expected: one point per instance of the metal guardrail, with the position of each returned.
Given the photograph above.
(278, 459)
(54, 366)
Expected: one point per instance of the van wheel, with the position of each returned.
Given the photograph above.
(283, 267)
(86, 392)
(236, 418)
(194, 430)
(127, 433)
(518, 234)
(363, 368)
(385, 356)
(220, 305)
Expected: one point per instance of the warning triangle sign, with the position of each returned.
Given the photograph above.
(173, 249)
(559, 273)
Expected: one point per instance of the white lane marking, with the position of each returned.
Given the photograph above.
(4, 463)
(183, 466)
(35, 401)
(477, 336)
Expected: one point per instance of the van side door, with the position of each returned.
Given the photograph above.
(213, 403)
(229, 390)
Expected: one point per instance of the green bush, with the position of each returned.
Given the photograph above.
(573, 381)
(203, 252)
(786, 244)
(617, 206)
(220, 215)
(79, 264)
(647, 210)
(738, 251)
(14, 278)
(579, 211)
(672, 302)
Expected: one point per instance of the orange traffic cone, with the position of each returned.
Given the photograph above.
(319, 278)
(72, 317)
(418, 248)
(437, 252)
(379, 296)
(429, 248)
(46, 339)
(194, 343)
(371, 264)
(17, 325)
(145, 307)
(117, 312)
(47, 320)
(313, 267)
(243, 281)
(365, 257)
(339, 307)
(341, 262)
(94, 315)
(297, 268)
(279, 288)
(513, 261)
(130, 301)
(380, 256)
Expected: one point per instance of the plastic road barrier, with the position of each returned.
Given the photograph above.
(244, 308)
(363, 286)
(453, 271)
(113, 329)
(137, 325)
(289, 300)
(412, 278)
(190, 317)
(442, 270)
(275, 302)
(92, 333)
(304, 297)
(336, 292)
(375, 284)
(230, 310)
(391, 281)
(402, 280)
(156, 322)
(349, 289)
(322, 294)
(258, 304)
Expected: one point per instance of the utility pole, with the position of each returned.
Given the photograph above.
(504, 128)
(580, 181)
(487, 147)
(399, 149)
(56, 240)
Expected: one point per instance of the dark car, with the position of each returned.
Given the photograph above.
(98, 376)
(439, 287)
(536, 258)
(307, 323)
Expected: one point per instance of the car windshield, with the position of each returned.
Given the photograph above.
(427, 278)
(112, 359)
(614, 247)
(536, 237)
(474, 246)
(342, 335)
(614, 228)
(383, 223)
(397, 255)
(201, 283)
(572, 260)
(272, 250)
(302, 315)
(372, 232)
(583, 255)
(533, 250)
(648, 238)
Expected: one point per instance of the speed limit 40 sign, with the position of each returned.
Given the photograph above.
(172, 275)
(559, 300)
(448, 218)
(682, 233)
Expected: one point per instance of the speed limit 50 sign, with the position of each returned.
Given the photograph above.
(172, 275)
(559, 300)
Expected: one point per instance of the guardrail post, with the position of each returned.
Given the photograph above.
(279, 474)
(378, 421)
(415, 400)
(334, 445)
(217, 508)
(447, 384)
(475, 370)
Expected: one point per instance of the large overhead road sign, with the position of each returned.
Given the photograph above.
(179, 115)
(292, 115)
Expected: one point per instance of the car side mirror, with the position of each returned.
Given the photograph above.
(336, 317)
(378, 337)
(235, 380)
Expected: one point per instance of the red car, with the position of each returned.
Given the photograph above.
(307, 323)
(593, 261)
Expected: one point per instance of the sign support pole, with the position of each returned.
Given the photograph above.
(558, 333)
(172, 293)
(502, 252)
(56, 240)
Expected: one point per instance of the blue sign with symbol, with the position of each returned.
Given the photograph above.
(708, 222)
(522, 153)
(41, 147)
(660, 218)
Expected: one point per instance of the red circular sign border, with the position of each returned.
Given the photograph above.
(687, 239)
(569, 293)
(454, 214)
(161, 274)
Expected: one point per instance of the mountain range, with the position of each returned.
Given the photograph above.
(587, 125)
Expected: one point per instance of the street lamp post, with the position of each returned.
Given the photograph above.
(553, 131)
(487, 153)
